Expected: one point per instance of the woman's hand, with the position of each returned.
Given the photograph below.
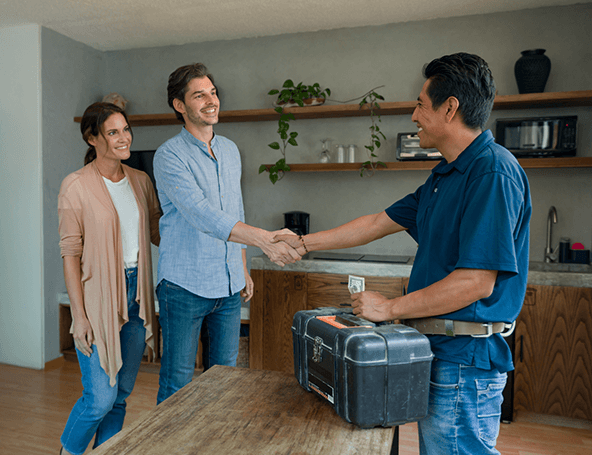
(83, 336)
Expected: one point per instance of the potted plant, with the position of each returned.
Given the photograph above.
(290, 95)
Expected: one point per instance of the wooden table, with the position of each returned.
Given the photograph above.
(230, 411)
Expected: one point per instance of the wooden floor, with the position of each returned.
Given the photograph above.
(34, 407)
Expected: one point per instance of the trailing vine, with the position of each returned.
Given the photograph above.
(370, 100)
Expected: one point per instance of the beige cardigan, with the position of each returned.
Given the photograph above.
(89, 229)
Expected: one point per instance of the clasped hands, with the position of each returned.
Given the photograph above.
(284, 247)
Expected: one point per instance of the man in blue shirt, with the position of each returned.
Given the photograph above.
(202, 267)
(471, 222)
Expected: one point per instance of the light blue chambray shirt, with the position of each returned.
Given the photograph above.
(201, 201)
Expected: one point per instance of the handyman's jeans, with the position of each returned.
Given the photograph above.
(464, 410)
(101, 409)
(181, 316)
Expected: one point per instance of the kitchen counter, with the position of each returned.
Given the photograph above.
(540, 273)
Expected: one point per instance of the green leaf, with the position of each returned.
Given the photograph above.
(293, 142)
(279, 109)
(262, 168)
(273, 92)
(328, 90)
(380, 163)
(274, 178)
(288, 83)
(274, 145)
(293, 134)
(281, 165)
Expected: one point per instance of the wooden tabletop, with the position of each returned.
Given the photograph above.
(230, 411)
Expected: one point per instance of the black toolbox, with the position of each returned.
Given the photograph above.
(373, 375)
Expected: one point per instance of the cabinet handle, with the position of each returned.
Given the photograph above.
(343, 282)
(521, 348)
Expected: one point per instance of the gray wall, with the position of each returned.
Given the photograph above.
(21, 236)
(350, 62)
(72, 75)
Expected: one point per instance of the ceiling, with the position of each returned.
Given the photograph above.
(127, 24)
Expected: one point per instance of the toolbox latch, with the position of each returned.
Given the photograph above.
(317, 349)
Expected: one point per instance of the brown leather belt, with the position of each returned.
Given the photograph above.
(451, 328)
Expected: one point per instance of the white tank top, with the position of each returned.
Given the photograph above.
(129, 219)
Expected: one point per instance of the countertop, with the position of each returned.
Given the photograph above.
(540, 273)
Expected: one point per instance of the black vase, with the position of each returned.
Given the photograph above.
(532, 71)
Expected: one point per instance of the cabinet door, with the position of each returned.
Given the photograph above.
(327, 289)
(277, 297)
(553, 353)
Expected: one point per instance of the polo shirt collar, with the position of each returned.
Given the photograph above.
(463, 161)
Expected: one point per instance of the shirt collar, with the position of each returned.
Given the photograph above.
(466, 157)
(195, 141)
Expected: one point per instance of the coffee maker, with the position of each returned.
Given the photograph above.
(297, 222)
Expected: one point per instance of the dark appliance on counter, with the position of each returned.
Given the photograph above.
(297, 222)
(538, 136)
(408, 149)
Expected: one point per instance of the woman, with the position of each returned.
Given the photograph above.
(108, 215)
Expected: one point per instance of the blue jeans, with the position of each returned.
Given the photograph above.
(182, 314)
(101, 409)
(464, 410)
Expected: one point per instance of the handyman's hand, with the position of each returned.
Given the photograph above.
(372, 306)
(295, 241)
(83, 336)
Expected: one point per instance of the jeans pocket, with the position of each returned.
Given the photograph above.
(489, 407)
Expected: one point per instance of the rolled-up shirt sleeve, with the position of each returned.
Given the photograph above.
(179, 185)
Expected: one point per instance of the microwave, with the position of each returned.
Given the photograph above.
(538, 136)
(408, 149)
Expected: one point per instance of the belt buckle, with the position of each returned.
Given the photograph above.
(489, 327)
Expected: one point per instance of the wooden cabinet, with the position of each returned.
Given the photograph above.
(553, 352)
(279, 295)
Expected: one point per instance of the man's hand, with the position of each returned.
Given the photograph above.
(372, 306)
(280, 252)
(247, 292)
(295, 241)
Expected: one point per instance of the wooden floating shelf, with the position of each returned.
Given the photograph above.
(505, 102)
(526, 163)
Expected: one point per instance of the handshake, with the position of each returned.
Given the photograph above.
(283, 247)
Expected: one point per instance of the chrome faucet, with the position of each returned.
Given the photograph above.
(550, 255)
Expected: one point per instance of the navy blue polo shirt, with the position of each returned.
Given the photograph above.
(472, 213)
